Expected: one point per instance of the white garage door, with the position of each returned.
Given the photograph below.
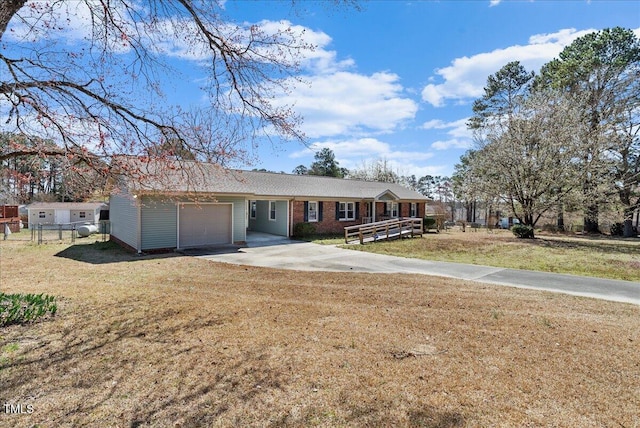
(205, 224)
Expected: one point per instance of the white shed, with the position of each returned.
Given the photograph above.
(64, 213)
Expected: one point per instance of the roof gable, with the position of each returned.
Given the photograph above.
(387, 195)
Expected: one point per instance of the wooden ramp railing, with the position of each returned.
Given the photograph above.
(383, 230)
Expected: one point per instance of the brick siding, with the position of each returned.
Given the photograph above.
(329, 224)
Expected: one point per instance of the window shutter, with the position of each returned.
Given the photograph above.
(357, 210)
(306, 210)
(320, 211)
(337, 210)
(386, 209)
(399, 210)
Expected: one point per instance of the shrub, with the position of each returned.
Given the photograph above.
(428, 223)
(304, 230)
(25, 308)
(522, 231)
(617, 229)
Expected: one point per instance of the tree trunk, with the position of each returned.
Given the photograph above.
(628, 229)
(8, 8)
(591, 219)
(591, 208)
(560, 220)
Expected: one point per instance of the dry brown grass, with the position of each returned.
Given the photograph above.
(600, 256)
(179, 341)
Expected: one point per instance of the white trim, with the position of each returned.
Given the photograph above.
(346, 211)
(138, 203)
(275, 211)
(390, 205)
(253, 212)
(315, 220)
(288, 217)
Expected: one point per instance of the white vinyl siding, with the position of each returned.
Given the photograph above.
(158, 223)
(123, 217)
(262, 222)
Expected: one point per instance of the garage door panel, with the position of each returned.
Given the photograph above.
(202, 225)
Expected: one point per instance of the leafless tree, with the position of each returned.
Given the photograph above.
(530, 161)
(105, 94)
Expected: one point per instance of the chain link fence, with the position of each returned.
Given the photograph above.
(61, 233)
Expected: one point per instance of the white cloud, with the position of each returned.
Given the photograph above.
(451, 144)
(40, 21)
(460, 136)
(350, 103)
(352, 153)
(465, 78)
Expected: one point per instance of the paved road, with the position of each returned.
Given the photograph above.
(282, 253)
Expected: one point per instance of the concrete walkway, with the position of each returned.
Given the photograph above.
(282, 253)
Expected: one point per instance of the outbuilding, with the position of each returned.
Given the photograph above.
(64, 213)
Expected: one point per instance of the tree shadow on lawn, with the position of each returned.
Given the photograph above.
(102, 361)
(126, 364)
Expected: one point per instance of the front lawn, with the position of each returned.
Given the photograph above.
(604, 257)
(170, 340)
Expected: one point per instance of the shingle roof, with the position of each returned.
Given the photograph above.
(66, 205)
(194, 177)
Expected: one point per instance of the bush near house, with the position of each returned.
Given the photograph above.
(304, 230)
(428, 223)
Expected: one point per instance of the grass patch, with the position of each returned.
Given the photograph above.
(326, 239)
(166, 341)
(599, 257)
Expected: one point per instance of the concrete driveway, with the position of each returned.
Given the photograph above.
(279, 252)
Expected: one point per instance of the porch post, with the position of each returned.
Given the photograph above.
(373, 211)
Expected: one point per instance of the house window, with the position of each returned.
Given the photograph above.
(392, 209)
(252, 209)
(312, 211)
(42, 214)
(272, 210)
(82, 214)
(347, 211)
(413, 210)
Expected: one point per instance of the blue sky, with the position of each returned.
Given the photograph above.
(405, 73)
(396, 80)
